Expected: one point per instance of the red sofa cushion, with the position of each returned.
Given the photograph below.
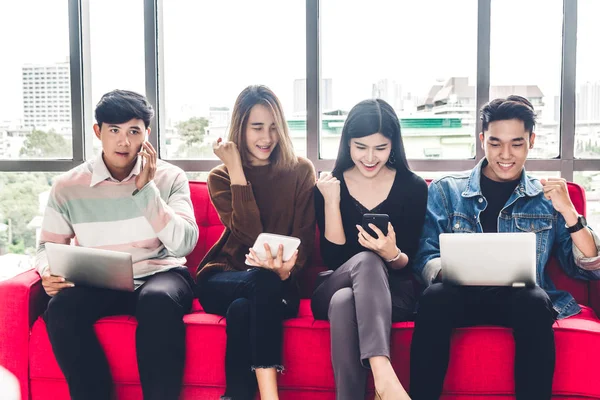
(481, 359)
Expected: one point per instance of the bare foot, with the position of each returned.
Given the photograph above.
(391, 390)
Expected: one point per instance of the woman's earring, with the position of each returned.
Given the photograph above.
(392, 158)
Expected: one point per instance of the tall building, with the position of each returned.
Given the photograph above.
(219, 116)
(457, 96)
(218, 122)
(300, 95)
(588, 102)
(47, 96)
(390, 91)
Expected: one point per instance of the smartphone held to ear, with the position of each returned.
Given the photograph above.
(379, 220)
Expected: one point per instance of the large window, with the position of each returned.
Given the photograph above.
(526, 60)
(587, 128)
(35, 86)
(431, 60)
(419, 56)
(214, 49)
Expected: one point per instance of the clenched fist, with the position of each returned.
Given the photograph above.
(555, 190)
(228, 153)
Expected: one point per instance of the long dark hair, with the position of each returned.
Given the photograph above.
(283, 156)
(366, 118)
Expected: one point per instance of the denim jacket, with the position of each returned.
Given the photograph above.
(454, 205)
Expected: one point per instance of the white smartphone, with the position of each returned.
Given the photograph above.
(142, 148)
(290, 244)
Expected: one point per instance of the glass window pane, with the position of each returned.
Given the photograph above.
(35, 85)
(419, 56)
(117, 51)
(587, 123)
(198, 176)
(526, 61)
(544, 174)
(213, 50)
(590, 180)
(23, 198)
(433, 175)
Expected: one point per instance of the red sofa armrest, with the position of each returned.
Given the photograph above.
(22, 300)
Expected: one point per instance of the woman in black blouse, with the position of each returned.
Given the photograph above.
(370, 285)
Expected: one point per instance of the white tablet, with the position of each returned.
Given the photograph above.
(290, 244)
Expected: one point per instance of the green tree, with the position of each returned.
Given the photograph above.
(19, 203)
(45, 144)
(193, 130)
(17, 248)
(583, 179)
(192, 133)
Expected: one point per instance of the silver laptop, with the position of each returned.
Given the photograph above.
(92, 267)
(488, 259)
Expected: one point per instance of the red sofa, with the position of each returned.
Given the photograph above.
(481, 363)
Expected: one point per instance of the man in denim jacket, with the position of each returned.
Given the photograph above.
(498, 196)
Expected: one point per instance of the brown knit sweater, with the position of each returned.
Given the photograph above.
(273, 202)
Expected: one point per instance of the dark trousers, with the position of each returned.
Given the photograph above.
(252, 303)
(442, 307)
(159, 306)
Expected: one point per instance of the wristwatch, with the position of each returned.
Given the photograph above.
(581, 223)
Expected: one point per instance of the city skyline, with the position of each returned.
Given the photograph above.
(46, 96)
(390, 46)
(45, 93)
(349, 56)
(452, 98)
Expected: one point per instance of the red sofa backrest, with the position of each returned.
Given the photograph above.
(211, 228)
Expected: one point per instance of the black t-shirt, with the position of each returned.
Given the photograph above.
(405, 205)
(496, 194)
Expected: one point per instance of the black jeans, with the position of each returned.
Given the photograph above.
(442, 307)
(253, 304)
(159, 306)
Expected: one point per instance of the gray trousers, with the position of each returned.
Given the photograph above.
(357, 301)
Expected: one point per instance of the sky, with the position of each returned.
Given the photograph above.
(213, 49)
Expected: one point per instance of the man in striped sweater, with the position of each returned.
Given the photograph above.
(124, 200)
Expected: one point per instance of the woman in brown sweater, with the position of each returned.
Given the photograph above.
(260, 187)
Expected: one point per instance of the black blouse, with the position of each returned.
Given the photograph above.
(405, 205)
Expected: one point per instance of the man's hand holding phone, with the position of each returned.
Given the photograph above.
(276, 264)
(149, 159)
(53, 284)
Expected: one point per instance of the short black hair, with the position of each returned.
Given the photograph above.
(120, 106)
(513, 107)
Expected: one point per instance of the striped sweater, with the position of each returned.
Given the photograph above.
(156, 225)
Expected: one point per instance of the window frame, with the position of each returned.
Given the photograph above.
(77, 22)
(80, 70)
